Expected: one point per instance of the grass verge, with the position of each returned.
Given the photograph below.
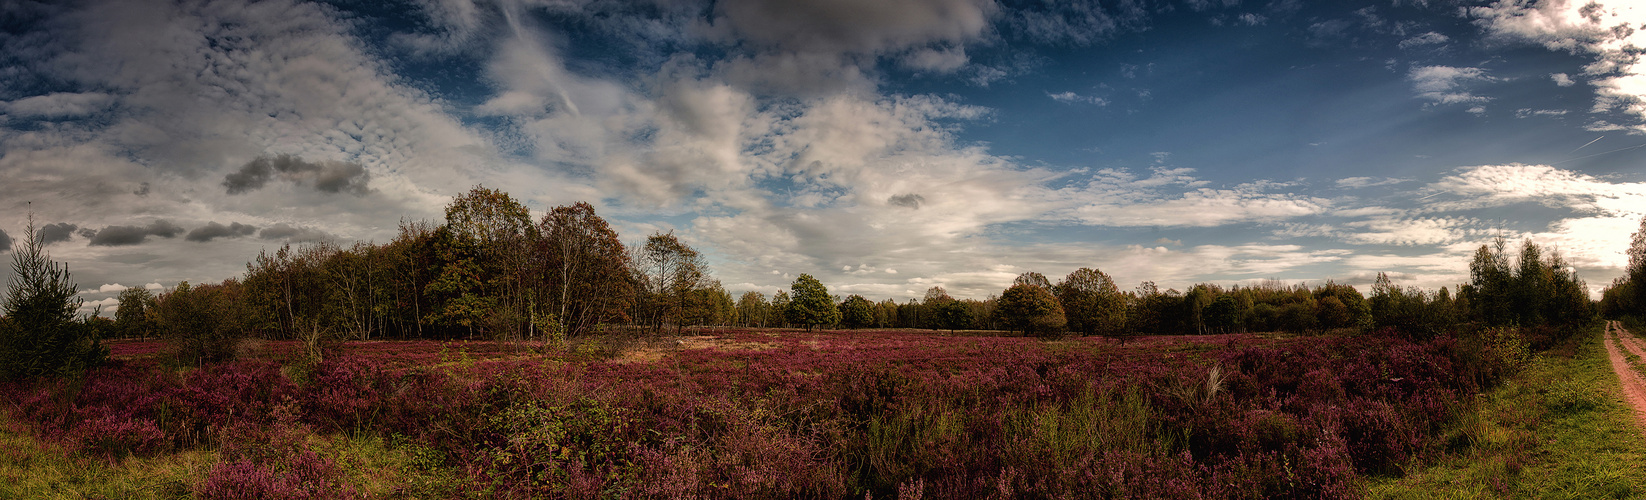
(31, 468)
(1560, 429)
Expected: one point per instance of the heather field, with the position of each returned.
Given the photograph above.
(778, 414)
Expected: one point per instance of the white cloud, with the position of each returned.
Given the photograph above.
(1562, 80)
(945, 60)
(1610, 31)
(107, 288)
(1118, 198)
(1430, 38)
(1073, 98)
(58, 105)
(1498, 185)
(1362, 182)
(197, 90)
(1413, 231)
(1446, 84)
(1528, 112)
(1075, 23)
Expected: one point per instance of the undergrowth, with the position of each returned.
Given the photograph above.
(816, 416)
(1558, 430)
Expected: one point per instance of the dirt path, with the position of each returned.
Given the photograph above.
(1634, 386)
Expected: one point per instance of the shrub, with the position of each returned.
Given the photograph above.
(201, 322)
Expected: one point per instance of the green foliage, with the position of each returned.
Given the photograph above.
(856, 312)
(1626, 296)
(753, 310)
(780, 308)
(1636, 272)
(203, 323)
(1556, 430)
(810, 304)
(1342, 306)
(133, 317)
(951, 314)
(1092, 303)
(584, 269)
(669, 272)
(1031, 309)
(40, 337)
(1540, 289)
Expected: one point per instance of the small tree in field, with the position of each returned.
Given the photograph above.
(131, 319)
(810, 304)
(1092, 302)
(856, 312)
(39, 337)
(202, 322)
(1031, 309)
(951, 314)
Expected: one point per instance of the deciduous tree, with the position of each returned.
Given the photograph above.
(1031, 309)
(810, 304)
(856, 312)
(1092, 303)
(668, 271)
(131, 318)
(585, 268)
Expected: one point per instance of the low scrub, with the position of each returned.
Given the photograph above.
(821, 416)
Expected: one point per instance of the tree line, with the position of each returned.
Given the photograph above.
(1531, 287)
(1625, 297)
(489, 270)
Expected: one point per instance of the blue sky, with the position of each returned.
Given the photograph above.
(885, 147)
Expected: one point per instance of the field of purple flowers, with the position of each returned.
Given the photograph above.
(794, 415)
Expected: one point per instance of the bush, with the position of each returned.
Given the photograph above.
(201, 322)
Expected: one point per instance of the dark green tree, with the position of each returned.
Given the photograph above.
(951, 314)
(810, 304)
(1222, 315)
(131, 319)
(668, 272)
(1092, 302)
(40, 337)
(1492, 281)
(203, 322)
(856, 312)
(779, 309)
(1031, 309)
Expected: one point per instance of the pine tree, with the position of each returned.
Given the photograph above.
(40, 337)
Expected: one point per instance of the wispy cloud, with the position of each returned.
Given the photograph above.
(1073, 98)
(1447, 84)
(1430, 38)
(1363, 182)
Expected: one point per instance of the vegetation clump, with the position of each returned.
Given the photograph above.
(40, 335)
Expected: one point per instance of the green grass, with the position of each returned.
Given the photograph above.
(1560, 429)
(30, 468)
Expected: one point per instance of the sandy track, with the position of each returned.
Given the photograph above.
(1634, 386)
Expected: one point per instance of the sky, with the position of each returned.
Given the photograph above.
(884, 147)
